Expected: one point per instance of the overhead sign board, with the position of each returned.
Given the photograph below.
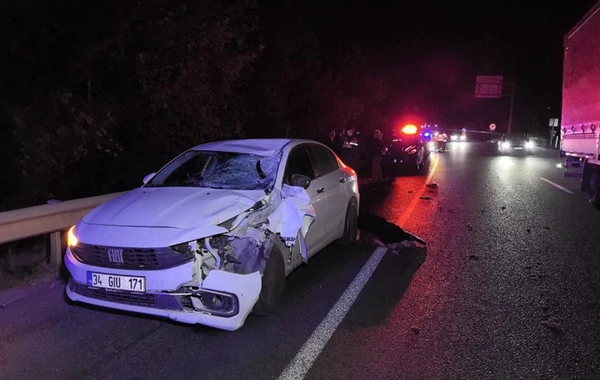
(488, 86)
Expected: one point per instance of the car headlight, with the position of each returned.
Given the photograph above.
(506, 145)
(528, 145)
(185, 248)
(72, 238)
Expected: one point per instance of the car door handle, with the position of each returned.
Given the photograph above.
(320, 190)
(343, 180)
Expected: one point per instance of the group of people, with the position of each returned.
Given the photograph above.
(359, 153)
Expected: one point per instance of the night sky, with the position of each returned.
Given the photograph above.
(453, 43)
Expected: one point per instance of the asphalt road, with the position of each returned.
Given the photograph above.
(508, 287)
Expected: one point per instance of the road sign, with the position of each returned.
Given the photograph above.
(488, 86)
(492, 127)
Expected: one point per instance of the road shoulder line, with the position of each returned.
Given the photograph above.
(557, 185)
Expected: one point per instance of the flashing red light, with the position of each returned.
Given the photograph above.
(409, 129)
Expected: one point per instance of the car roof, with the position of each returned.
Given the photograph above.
(260, 147)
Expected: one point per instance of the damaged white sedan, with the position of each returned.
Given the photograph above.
(211, 237)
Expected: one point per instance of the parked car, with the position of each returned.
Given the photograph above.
(211, 236)
(407, 152)
(515, 143)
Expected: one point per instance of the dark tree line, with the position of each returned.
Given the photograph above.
(96, 94)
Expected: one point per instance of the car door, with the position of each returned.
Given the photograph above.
(334, 183)
(299, 162)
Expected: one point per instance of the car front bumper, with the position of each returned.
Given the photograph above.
(163, 296)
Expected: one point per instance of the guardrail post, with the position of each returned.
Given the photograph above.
(56, 248)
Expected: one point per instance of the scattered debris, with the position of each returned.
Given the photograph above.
(482, 210)
(553, 323)
(546, 228)
(473, 257)
(427, 198)
(528, 230)
(415, 330)
(470, 227)
(432, 185)
(503, 208)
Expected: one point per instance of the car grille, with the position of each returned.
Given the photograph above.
(129, 258)
(158, 301)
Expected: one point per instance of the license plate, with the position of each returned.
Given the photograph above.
(111, 281)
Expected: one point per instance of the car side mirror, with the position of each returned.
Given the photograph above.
(300, 180)
(148, 177)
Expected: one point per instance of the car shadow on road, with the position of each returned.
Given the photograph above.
(385, 289)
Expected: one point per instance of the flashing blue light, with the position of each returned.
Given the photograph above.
(426, 134)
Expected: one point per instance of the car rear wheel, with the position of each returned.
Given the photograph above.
(594, 189)
(273, 284)
(351, 223)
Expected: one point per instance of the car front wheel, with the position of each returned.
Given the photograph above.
(273, 284)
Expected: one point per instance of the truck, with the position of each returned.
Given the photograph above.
(580, 122)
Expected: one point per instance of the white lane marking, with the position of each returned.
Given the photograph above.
(557, 185)
(311, 349)
(299, 366)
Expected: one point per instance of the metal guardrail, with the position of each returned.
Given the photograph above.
(51, 219)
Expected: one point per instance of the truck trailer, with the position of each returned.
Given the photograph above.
(580, 125)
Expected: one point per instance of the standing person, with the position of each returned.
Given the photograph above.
(442, 139)
(332, 141)
(350, 150)
(375, 150)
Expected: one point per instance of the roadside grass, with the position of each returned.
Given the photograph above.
(26, 263)
(27, 276)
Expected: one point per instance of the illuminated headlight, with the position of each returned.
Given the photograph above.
(72, 238)
(431, 146)
(453, 137)
(528, 145)
(463, 137)
(506, 145)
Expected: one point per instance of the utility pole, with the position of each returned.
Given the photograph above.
(512, 103)
(491, 87)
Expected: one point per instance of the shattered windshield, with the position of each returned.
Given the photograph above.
(219, 170)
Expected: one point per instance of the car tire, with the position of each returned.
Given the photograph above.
(350, 223)
(273, 284)
(594, 189)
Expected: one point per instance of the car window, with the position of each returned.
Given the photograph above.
(298, 163)
(323, 159)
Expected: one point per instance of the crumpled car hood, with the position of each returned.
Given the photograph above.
(174, 207)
